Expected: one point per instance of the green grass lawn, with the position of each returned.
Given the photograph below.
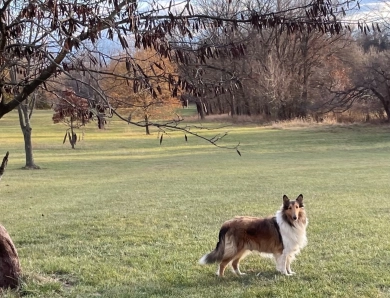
(122, 216)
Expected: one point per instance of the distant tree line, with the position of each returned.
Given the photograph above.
(285, 75)
(282, 76)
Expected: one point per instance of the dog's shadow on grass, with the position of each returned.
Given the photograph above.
(207, 282)
(249, 278)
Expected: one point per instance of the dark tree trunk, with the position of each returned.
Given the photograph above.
(384, 100)
(9, 261)
(147, 131)
(221, 109)
(4, 164)
(101, 121)
(200, 108)
(386, 107)
(233, 106)
(24, 120)
(71, 136)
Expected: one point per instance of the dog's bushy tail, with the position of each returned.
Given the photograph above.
(217, 254)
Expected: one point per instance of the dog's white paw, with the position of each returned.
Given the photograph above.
(281, 270)
(284, 272)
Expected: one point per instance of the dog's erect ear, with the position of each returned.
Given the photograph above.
(300, 200)
(286, 201)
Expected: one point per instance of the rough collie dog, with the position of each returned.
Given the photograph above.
(283, 236)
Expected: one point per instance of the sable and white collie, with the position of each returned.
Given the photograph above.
(283, 236)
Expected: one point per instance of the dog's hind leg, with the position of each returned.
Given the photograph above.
(223, 265)
(236, 262)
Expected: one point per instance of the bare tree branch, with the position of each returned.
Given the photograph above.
(65, 37)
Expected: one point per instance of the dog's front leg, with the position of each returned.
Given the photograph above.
(281, 262)
(289, 259)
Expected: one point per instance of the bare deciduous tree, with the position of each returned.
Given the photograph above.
(369, 78)
(275, 75)
(67, 28)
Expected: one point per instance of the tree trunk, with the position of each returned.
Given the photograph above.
(386, 106)
(71, 138)
(233, 106)
(146, 124)
(387, 110)
(384, 100)
(3, 164)
(9, 261)
(24, 120)
(200, 109)
(101, 121)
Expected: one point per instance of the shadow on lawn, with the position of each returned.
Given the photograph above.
(207, 283)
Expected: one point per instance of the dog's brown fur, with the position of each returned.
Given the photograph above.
(282, 235)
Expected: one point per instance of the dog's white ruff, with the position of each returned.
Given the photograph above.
(294, 239)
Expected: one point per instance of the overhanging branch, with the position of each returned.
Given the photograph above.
(173, 125)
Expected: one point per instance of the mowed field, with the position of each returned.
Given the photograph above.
(123, 216)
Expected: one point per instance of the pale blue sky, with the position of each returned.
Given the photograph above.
(373, 10)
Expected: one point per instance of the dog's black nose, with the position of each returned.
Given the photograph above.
(294, 217)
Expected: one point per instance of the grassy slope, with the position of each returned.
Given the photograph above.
(121, 216)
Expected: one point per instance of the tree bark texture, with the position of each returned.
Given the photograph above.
(9, 261)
